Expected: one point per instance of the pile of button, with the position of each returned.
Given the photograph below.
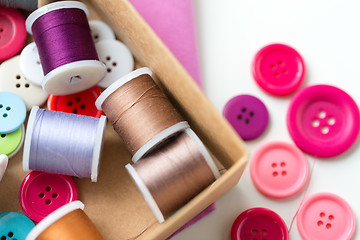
(323, 121)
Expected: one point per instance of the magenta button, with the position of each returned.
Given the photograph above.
(323, 120)
(278, 69)
(259, 223)
(42, 193)
(326, 216)
(248, 116)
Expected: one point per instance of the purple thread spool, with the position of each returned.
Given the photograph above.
(63, 143)
(67, 52)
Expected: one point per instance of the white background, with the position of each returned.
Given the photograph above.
(327, 35)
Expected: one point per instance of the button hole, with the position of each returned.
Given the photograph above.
(48, 202)
(254, 231)
(108, 58)
(328, 226)
(284, 173)
(27, 85)
(325, 130)
(263, 232)
(276, 74)
(1, 105)
(322, 114)
(54, 195)
(322, 214)
(3, 238)
(239, 117)
(82, 106)
(331, 217)
(77, 99)
(251, 114)
(41, 195)
(247, 121)
(283, 164)
(331, 121)
(272, 66)
(320, 223)
(18, 85)
(1, 30)
(3, 135)
(114, 64)
(48, 189)
(243, 110)
(18, 76)
(284, 70)
(108, 70)
(315, 123)
(5, 115)
(275, 174)
(96, 36)
(274, 165)
(10, 234)
(281, 63)
(75, 111)
(38, 62)
(8, 108)
(69, 103)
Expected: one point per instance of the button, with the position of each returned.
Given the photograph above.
(323, 120)
(30, 65)
(325, 216)
(260, 224)
(14, 226)
(100, 31)
(278, 69)
(248, 116)
(42, 193)
(117, 58)
(82, 103)
(10, 143)
(3, 164)
(16, 83)
(12, 112)
(12, 32)
(279, 169)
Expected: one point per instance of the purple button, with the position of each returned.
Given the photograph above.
(259, 223)
(248, 116)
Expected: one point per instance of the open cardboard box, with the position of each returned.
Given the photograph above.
(114, 203)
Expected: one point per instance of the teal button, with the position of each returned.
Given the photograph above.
(12, 112)
(14, 225)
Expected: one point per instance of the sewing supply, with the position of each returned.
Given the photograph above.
(3, 164)
(63, 143)
(14, 226)
(100, 31)
(68, 222)
(67, 52)
(175, 173)
(30, 64)
(140, 112)
(29, 5)
(10, 143)
(12, 112)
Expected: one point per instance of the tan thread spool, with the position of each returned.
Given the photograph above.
(174, 174)
(140, 112)
(69, 222)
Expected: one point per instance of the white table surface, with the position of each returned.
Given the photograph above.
(326, 33)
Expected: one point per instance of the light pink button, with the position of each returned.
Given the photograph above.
(326, 216)
(42, 193)
(278, 69)
(323, 120)
(279, 169)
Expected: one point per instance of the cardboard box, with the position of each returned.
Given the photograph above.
(114, 203)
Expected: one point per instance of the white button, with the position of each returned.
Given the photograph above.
(30, 65)
(100, 31)
(3, 165)
(12, 80)
(117, 58)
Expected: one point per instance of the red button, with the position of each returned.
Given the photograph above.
(82, 103)
(12, 32)
(42, 193)
(278, 69)
(259, 223)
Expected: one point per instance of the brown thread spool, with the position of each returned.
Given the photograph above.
(174, 174)
(140, 112)
(69, 222)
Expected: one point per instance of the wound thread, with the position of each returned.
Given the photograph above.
(29, 5)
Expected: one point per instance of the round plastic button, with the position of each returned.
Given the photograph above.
(14, 226)
(3, 164)
(82, 103)
(42, 193)
(12, 112)
(30, 65)
(117, 58)
(16, 83)
(100, 31)
(279, 169)
(259, 223)
(248, 116)
(278, 69)
(10, 143)
(323, 120)
(12, 32)
(326, 216)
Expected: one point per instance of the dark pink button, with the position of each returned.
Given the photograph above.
(278, 69)
(248, 116)
(42, 193)
(12, 32)
(326, 216)
(259, 223)
(323, 120)
(279, 169)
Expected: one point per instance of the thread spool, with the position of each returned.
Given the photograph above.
(67, 52)
(67, 222)
(63, 143)
(175, 173)
(140, 112)
(29, 5)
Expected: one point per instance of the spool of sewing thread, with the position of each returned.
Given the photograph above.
(174, 174)
(140, 112)
(68, 222)
(67, 52)
(29, 5)
(63, 143)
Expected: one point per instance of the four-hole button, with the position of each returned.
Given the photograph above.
(12, 112)
(14, 226)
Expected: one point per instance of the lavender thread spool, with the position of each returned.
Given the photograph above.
(67, 52)
(63, 143)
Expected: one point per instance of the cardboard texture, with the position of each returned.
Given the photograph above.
(114, 203)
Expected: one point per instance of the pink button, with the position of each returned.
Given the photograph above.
(278, 69)
(260, 224)
(323, 120)
(42, 193)
(326, 216)
(279, 169)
